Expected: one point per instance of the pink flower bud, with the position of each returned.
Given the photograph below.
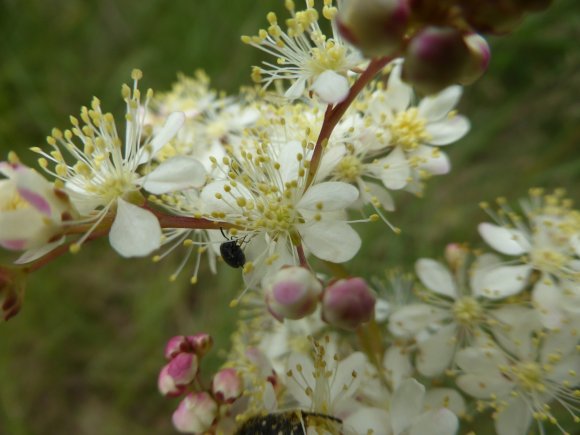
(292, 293)
(479, 57)
(436, 58)
(195, 414)
(32, 210)
(201, 343)
(183, 368)
(176, 345)
(456, 255)
(347, 303)
(166, 384)
(227, 386)
(376, 27)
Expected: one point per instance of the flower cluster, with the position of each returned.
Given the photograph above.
(275, 183)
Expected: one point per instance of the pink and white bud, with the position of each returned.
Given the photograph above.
(195, 414)
(201, 343)
(376, 27)
(347, 303)
(292, 293)
(456, 255)
(183, 368)
(176, 345)
(166, 384)
(32, 210)
(479, 57)
(227, 386)
(436, 58)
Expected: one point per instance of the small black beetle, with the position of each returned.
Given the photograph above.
(232, 253)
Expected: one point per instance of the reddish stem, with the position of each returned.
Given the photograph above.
(332, 116)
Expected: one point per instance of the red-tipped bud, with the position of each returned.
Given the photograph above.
(166, 384)
(479, 57)
(227, 386)
(376, 27)
(183, 368)
(195, 414)
(201, 343)
(436, 58)
(292, 293)
(176, 345)
(347, 303)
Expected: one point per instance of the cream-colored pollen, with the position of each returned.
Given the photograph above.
(14, 202)
(529, 375)
(330, 57)
(349, 168)
(467, 311)
(408, 129)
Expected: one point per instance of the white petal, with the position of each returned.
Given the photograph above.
(436, 277)
(575, 242)
(547, 297)
(406, 404)
(448, 130)
(437, 351)
(331, 87)
(331, 241)
(517, 330)
(35, 254)
(505, 240)
(172, 125)
(431, 159)
(395, 170)
(445, 398)
(296, 90)
(332, 195)
(372, 190)
(479, 360)
(515, 419)
(227, 204)
(398, 94)
(436, 107)
(174, 174)
(503, 281)
(135, 232)
(413, 318)
(369, 420)
(439, 422)
(481, 266)
(397, 363)
(332, 156)
(344, 384)
(484, 386)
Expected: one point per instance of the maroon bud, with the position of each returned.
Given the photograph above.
(479, 57)
(347, 303)
(201, 343)
(436, 58)
(176, 345)
(376, 27)
(227, 386)
(183, 368)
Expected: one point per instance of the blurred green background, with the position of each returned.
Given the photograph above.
(83, 355)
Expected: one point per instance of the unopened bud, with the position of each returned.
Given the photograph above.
(183, 368)
(201, 343)
(376, 27)
(166, 384)
(176, 345)
(456, 255)
(292, 293)
(347, 303)
(479, 56)
(195, 414)
(436, 58)
(227, 386)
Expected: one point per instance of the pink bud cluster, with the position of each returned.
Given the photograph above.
(198, 410)
(439, 40)
(295, 292)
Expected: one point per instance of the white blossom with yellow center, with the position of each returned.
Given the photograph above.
(264, 195)
(413, 133)
(304, 55)
(545, 240)
(520, 387)
(104, 176)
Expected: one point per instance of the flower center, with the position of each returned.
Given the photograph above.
(549, 260)
(529, 375)
(14, 202)
(329, 56)
(467, 311)
(111, 187)
(349, 169)
(408, 129)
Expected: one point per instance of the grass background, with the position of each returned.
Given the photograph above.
(82, 356)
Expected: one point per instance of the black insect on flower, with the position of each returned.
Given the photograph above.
(232, 253)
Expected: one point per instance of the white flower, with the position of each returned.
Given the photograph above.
(305, 55)
(266, 198)
(521, 388)
(453, 315)
(32, 211)
(104, 177)
(545, 241)
(415, 133)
